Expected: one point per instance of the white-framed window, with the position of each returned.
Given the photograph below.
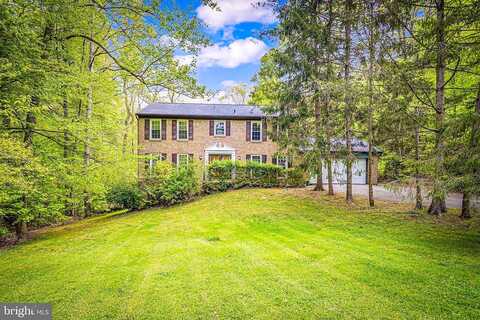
(256, 131)
(219, 128)
(182, 159)
(256, 158)
(282, 161)
(152, 160)
(182, 129)
(155, 129)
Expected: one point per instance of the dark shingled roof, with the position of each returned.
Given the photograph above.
(201, 110)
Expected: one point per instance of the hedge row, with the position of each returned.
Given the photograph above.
(166, 184)
(225, 175)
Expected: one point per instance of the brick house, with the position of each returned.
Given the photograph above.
(178, 132)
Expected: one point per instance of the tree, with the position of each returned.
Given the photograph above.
(63, 65)
(303, 87)
(237, 93)
(437, 33)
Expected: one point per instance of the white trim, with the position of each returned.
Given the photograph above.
(251, 131)
(286, 162)
(178, 129)
(219, 148)
(151, 129)
(215, 122)
(256, 155)
(182, 154)
(153, 158)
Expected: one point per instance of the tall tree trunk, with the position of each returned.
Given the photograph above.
(348, 100)
(328, 152)
(328, 125)
(437, 205)
(418, 193)
(21, 230)
(66, 154)
(128, 118)
(474, 141)
(171, 96)
(466, 206)
(87, 202)
(66, 138)
(371, 59)
(30, 121)
(318, 143)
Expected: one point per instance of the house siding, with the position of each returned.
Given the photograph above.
(202, 139)
(239, 140)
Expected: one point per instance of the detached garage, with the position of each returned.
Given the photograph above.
(359, 166)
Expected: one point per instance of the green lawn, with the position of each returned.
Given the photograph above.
(263, 254)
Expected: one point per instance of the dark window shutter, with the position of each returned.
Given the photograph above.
(190, 157)
(210, 125)
(264, 158)
(147, 162)
(264, 130)
(248, 157)
(248, 129)
(227, 129)
(147, 129)
(174, 129)
(174, 158)
(190, 129)
(274, 160)
(164, 156)
(164, 129)
(290, 161)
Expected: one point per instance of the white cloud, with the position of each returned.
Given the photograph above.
(233, 12)
(238, 52)
(228, 83)
(185, 59)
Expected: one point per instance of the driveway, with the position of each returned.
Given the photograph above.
(454, 200)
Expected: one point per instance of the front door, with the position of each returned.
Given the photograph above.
(219, 157)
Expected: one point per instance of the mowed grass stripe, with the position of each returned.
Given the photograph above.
(264, 254)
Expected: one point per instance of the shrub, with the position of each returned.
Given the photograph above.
(222, 170)
(391, 167)
(224, 175)
(167, 184)
(3, 231)
(181, 185)
(217, 186)
(126, 196)
(154, 181)
(295, 177)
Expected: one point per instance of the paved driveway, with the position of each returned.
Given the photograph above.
(454, 200)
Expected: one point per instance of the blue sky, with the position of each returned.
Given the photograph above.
(236, 45)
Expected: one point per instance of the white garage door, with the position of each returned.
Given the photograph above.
(359, 169)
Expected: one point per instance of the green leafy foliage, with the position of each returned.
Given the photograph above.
(167, 185)
(225, 175)
(127, 196)
(72, 75)
(27, 187)
(295, 177)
